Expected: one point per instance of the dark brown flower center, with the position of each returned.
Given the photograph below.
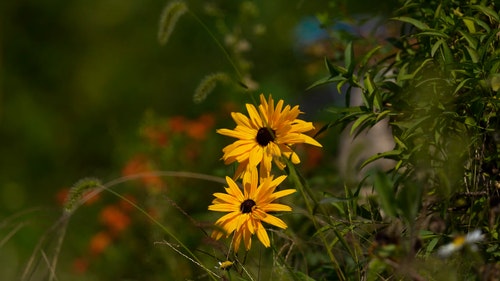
(247, 205)
(265, 136)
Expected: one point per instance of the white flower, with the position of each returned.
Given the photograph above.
(461, 241)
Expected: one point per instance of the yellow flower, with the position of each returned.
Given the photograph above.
(266, 135)
(247, 209)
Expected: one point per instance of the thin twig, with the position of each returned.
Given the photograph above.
(11, 233)
(187, 257)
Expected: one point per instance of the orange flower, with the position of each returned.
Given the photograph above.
(125, 205)
(99, 242)
(115, 219)
(62, 196)
(177, 124)
(80, 265)
(138, 164)
(198, 129)
(156, 135)
(141, 164)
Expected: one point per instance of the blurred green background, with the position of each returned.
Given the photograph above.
(80, 80)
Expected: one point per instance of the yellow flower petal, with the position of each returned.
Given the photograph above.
(222, 207)
(232, 133)
(282, 193)
(277, 208)
(262, 235)
(240, 148)
(234, 190)
(246, 211)
(270, 219)
(285, 130)
(255, 156)
(241, 119)
(255, 119)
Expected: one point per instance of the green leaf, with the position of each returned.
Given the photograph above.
(432, 245)
(469, 23)
(392, 154)
(482, 24)
(436, 46)
(375, 269)
(360, 121)
(409, 200)
(368, 83)
(470, 121)
(433, 33)
(385, 193)
(487, 11)
(418, 24)
(399, 143)
(364, 61)
(330, 200)
(414, 126)
(342, 240)
(484, 47)
(377, 101)
(349, 58)
(495, 82)
(302, 276)
(352, 109)
(447, 55)
(473, 54)
(333, 69)
(470, 40)
(340, 84)
(461, 85)
(325, 80)
(382, 115)
(412, 75)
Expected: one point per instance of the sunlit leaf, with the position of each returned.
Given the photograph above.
(469, 23)
(495, 82)
(377, 101)
(473, 54)
(487, 11)
(418, 24)
(433, 33)
(436, 47)
(333, 69)
(392, 154)
(470, 40)
(349, 58)
(382, 115)
(324, 81)
(399, 143)
(368, 83)
(359, 121)
(366, 58)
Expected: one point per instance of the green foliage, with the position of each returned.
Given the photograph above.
(434, 81)
(437, 86)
